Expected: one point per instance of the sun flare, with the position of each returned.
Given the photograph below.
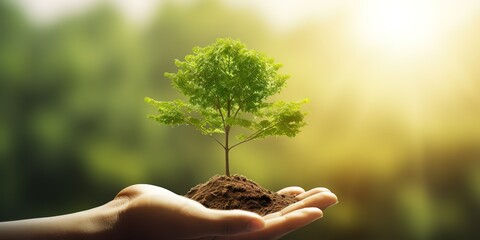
(405, 59)
(397, 27)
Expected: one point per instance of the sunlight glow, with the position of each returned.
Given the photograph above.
(397, 27)
(405, 63)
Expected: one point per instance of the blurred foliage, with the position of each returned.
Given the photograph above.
(73, 128)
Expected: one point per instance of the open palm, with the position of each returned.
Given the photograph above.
(157, 213)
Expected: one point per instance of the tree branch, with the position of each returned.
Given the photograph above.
(236, 112)
(229, 106)
(220, 111)
(254, 135)
(216, 140)
(203, 130)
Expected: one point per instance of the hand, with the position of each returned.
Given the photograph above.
(156, 213)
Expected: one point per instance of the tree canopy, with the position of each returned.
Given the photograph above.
(227, 85)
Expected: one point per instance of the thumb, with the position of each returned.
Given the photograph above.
(231, 222)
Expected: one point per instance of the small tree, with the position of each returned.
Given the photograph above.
(227, 85)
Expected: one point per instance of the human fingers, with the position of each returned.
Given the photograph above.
(291, 191)
(279, 226)
(320, 200)
(311, 192)
(227, 222)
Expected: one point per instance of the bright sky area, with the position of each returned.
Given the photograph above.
(280, 12)
(408, 34)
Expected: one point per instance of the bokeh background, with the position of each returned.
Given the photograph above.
(393, 125)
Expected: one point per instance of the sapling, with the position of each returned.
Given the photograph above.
(227, 86)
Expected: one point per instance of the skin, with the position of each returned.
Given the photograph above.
(150, 212)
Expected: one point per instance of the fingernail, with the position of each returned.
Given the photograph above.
(335, 199)
(314, 211)
(331, 205)
(255, 225)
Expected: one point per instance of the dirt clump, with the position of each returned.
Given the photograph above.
(238, 192)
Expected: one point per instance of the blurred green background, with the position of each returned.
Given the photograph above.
(393, 125)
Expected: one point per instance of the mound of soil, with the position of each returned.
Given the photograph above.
(238, 192)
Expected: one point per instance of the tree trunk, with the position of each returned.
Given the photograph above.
(227, 167)
(227, 152)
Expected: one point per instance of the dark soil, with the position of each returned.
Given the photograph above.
(238, 192)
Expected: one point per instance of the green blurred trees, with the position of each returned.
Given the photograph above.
(15, 41)
(63, 90)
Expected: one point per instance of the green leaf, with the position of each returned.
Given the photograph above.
(282, 118)
(171, 113)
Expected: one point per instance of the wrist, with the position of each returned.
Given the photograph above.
(97, 223)
(104, 222)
